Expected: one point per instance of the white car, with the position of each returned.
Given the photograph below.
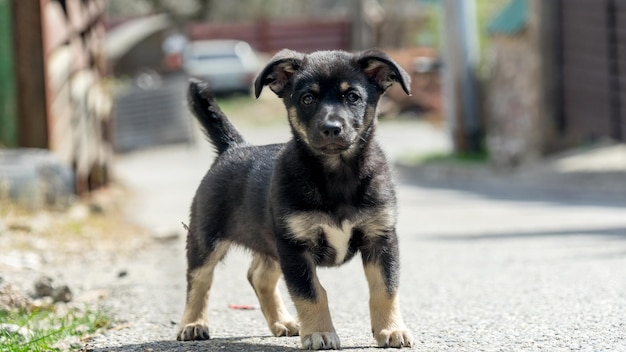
(228, 65)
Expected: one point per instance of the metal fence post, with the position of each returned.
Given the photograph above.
(461, 57)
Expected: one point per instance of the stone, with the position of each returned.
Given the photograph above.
(62, 294)
(43, 287)
(11, 298)
(13, 329)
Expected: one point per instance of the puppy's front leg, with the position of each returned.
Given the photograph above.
(382, 270)
(316, 327)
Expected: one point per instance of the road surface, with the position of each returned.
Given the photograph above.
(485, 266)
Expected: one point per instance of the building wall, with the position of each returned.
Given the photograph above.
(559, 82)
(592, 62)
(519, 116)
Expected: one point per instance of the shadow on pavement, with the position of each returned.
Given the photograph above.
(612, 232)
(214, 344)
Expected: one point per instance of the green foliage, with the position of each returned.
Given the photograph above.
(430, 35)
(431, 32)
(45, 328)
(485, 10)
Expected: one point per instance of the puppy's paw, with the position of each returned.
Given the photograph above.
(321, 341)
(285, 328)
(394, 338)
(193, 331)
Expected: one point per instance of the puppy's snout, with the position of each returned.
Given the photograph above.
(331, 129)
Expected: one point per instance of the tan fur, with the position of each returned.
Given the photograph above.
(292, 114)
(344, 86)
(380, 72)
(195, 317)
(387, 325)
(371, 111)
(379, 222)
(316, 325)
(281, 75)
(373, 223)
(263, 276)
(334, 161)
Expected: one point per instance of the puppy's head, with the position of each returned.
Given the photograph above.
(331, 96)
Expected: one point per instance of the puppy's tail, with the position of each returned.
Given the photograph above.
(221, 132)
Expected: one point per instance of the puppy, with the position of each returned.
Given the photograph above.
(314, 201)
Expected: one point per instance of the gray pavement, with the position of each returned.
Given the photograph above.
(493, 264)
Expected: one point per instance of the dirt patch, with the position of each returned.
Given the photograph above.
(63, 245)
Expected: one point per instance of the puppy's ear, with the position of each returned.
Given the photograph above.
(381, 69)
(278, 71)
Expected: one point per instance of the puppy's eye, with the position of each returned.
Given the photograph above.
(352, 97)
(307, 99)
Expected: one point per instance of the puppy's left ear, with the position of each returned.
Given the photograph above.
(278, 71)
(381, 69)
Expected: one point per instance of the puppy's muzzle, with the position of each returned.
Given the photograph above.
(332, 136)
(331, 129)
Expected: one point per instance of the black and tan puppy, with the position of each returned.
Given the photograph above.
(314, 201)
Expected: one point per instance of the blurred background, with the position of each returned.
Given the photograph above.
(510, 157)
(508, 82)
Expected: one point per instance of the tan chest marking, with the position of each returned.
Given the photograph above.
(338, 238)
(308, 226)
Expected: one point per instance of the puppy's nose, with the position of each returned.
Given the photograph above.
(331, 128)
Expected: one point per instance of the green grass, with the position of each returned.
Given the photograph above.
(48, 328)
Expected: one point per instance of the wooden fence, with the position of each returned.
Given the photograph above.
(60, 100)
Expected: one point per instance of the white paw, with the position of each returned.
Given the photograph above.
(285, 328)
(321, 341)
(193, 331)
(394, 338)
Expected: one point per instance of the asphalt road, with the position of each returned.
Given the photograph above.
(492, 267)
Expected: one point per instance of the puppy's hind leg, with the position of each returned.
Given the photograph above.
(194, 324)
(263, 275)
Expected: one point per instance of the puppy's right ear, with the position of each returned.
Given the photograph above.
(278, 71)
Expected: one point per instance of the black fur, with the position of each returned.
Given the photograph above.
(331, 172)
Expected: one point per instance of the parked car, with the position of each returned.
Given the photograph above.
(229, 65)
